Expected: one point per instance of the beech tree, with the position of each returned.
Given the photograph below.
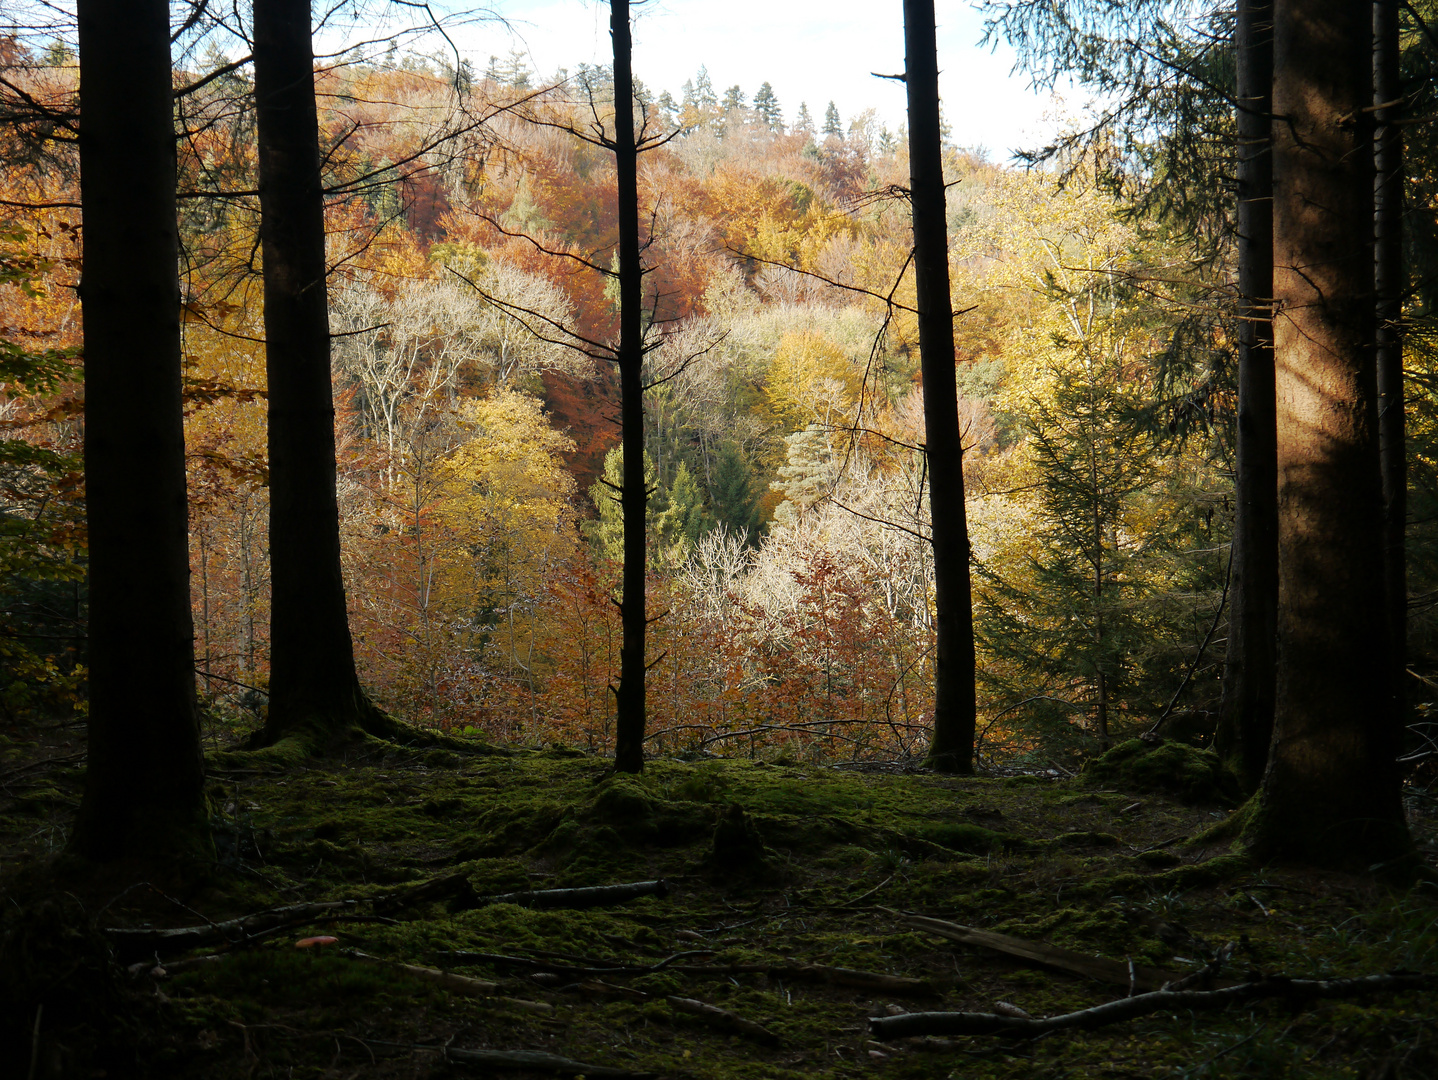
(144, 781)
(952, 747)
(1331, 792)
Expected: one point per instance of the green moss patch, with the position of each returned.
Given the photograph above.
(1192, 775)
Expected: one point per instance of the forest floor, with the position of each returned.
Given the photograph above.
(778, 874)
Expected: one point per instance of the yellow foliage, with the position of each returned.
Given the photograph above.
(811, 379)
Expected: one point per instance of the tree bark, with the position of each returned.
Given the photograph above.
(144, 784)
(1246, 714)
(1389, 285)
(952, 746)
(630, 696)
(314, 692)
(1331, 791)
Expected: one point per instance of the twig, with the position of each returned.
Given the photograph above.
(1129, 1008)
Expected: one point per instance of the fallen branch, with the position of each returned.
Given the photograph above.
(595, 896)
(814, 973)
(723, 1018)
(135, 943)
(536, 1060)
(455, 984)
(1114, 1012)
(1136, 977)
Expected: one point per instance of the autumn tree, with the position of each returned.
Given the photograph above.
(144, 783)
(954, 713)
(1331, 792)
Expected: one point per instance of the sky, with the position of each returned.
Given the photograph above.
(813, 51)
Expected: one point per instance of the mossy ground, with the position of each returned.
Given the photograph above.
(813, 871)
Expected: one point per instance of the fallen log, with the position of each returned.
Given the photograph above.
(906, 1025)
(593, 896)
(723, 1018)
(1135, 977)
(536, 1060)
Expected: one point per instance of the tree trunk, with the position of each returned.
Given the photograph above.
(1246, 714)
(630, 697)
(144, 784)
(1389, 286)
(1331, 791)
(314, 692)
(952, 747)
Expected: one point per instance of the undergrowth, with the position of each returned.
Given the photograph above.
(769, 864)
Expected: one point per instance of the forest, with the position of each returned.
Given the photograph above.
(540, 573)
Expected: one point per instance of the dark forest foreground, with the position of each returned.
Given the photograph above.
(779, 874)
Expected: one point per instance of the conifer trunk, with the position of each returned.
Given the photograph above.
(952, 746)
(314, 691)
(630, 695)
(1389, 285)
(144, 781)
(1331, 791)
(1246, 713)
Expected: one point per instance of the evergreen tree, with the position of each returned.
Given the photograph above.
(144, 794)
(666, 109)
(704, 96)
(733, 99)
(833, 128)
(803, 121)
(767, 106)
(674, 518)
(682, 521)
(734, 494)
(1071, 613)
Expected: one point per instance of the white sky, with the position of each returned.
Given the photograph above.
(809, 50)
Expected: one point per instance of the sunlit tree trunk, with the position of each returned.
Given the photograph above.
(1389, 285)
(313, 688)
(952, 746)
(1246, 713)
(1331, 791)
(144, 781)
(630, 704)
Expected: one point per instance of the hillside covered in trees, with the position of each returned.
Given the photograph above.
(795, 495)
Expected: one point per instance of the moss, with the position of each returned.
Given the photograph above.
(1084, 840)
(1195, 776)
(973, 839)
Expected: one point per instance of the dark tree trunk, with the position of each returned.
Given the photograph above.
(952, 748)
(314, 692)
(1389, 285)
(1331, 791)
(144, 784)
(1246, 714)
(630, 697)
